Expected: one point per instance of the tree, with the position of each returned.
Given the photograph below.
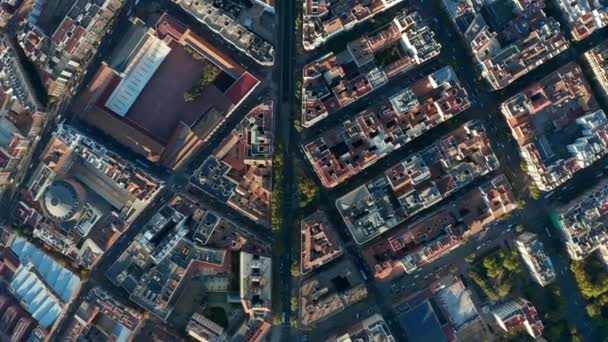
(195, 55)
(503, 289)
(588, 288)
(554, 332)
(483, 285)
(297, 124)
(295, 269)
(307, 191)
(519, 228)
(209, 73)
(295, 303)
(505, 217)
(190, 96)
(277, 190)
(534, 192)
(511, 263)
(593, 310)
(470, 258)
(491, 266)
(575, 337)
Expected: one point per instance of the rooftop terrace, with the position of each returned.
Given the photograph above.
(330, 292)
(557, 126)
(320, 244)
(337, 80)
(239, 171)
(323, 19)
(537, 261)
(153, 268)
(583, 222)
(381, 129)
(598, 59)
(584, 17)
(221, 18)
(418, 243)
(507, 38)
(418, 182)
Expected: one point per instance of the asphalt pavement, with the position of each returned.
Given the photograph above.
(281, 87)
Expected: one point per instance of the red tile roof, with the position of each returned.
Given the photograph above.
(241, 88)
(167, 25)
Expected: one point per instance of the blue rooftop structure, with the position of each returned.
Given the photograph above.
(41, 284)
(421, 323)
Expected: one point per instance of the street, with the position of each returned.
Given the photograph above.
(279, 83)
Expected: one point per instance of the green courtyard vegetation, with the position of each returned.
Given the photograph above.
(307, 191)
(277, 189)
(501, 274)
(592, 280)
(497, 273)
(208, 74)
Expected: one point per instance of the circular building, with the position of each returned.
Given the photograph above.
(63, 200)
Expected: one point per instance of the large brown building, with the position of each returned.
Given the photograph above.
(164, 92)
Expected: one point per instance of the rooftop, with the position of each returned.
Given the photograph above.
(584, 17)
(371, 329)
(203, 329)
(240, 170)
(507, 38)
(516, 314)
(221, 18)
(255, 283)
(14, 80)
(379, 130)
(421, 242)
(421, 323)
(583, 222)
(323, 19)
(97, 176)
(61, 36)
(320, 244)
(337, 80)
(418, 182)
(103, 312)
(456, 300)
(537, 261)
(326, 293)
(598, 60)
(179, 86)
(557, 125)
(154, 266)
(41, 283)
(439, 312)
